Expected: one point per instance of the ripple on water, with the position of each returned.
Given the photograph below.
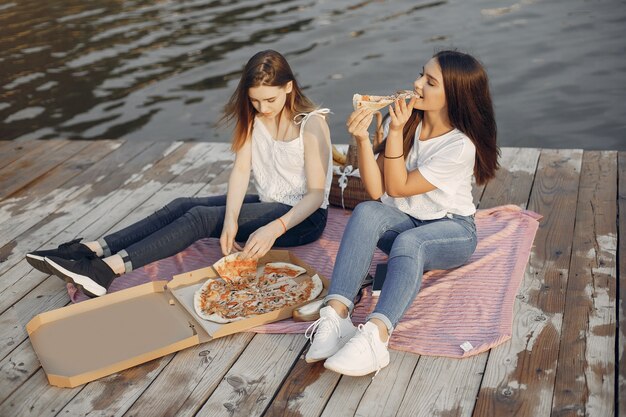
(163, 70)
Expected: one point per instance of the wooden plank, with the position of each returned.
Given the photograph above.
(34, 164)
(207, 171)
(186, 161)
(519, 378)
(12, 150)
(514, 179)
(187, 381)
(346, 397)
(251, 383)
(8, 329)
(21, 363)
(24, 200)
(586, 362)
(305, 391)
(100, 178)
(95, 202)
(621, 256)
(37, 398)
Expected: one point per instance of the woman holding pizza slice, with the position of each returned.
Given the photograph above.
(436, 143)
(280, 136)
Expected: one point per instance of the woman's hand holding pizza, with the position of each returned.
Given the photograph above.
(227, 239)
(380, 131)
(358, 123)
(262, 240)
(400, 113)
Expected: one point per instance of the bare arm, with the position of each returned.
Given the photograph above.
(399, 182)
(317, 149)
(370, 168)
(237, 186)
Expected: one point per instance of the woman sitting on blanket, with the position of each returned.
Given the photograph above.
(423, 176)
(280, 136)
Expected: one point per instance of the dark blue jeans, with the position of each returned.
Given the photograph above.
(185, 220)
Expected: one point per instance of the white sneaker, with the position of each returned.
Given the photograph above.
(331, 333)
(363, 354)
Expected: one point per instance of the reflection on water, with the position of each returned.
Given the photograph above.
(161, 70)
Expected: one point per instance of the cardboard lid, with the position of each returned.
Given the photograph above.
(105, 335)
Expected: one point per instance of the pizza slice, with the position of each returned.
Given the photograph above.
(372, 102)
(236, 270)
(277, 271)
(211, 300)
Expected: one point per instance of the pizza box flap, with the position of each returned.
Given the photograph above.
(184, 286)
(85, 341)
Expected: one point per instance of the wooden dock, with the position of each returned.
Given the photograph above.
(566, 356)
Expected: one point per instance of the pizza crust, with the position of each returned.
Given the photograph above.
(293, 270)
(318, 286)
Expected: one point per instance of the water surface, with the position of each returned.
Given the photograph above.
(162, 70)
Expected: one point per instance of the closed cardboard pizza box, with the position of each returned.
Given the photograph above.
(99, 337)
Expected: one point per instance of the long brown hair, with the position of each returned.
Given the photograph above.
(470, 110)
(264, 68)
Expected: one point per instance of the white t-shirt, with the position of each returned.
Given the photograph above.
(447, 162)
(278, 167)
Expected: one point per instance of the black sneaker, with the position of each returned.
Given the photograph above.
(92, 275)
(69, 250)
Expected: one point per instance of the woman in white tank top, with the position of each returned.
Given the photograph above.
(280, 136)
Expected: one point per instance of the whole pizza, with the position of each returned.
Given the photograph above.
(240, 293)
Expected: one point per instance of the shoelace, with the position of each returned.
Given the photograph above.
(365, 341)
(312, 329)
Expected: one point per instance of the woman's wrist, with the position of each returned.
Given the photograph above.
(281, 227)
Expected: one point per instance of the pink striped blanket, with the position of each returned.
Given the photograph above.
(472, 303)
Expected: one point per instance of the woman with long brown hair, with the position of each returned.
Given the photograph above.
(280, 136)
(436, 143)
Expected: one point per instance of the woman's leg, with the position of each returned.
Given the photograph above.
(200, 222)
(140, 230)
(368, 223)
(440, 244)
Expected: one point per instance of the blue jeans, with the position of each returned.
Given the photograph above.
(413, 246)
(185, 220)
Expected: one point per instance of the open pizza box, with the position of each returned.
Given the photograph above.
(99, 337)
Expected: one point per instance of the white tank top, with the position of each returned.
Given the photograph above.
(278, 167)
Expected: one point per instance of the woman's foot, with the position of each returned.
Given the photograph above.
(70, 250)
(363, 354)
(330, 332)
(92, 275)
